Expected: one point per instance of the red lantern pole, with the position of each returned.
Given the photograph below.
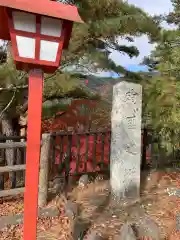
(33, 154)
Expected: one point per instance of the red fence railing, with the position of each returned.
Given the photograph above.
(81, 152)
(78, 153)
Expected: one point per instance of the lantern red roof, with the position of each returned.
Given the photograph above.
(42, 7)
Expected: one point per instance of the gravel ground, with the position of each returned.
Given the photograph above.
(97, 211)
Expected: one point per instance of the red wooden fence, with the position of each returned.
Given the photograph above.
(92, 152)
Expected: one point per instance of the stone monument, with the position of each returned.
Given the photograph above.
(126, 140)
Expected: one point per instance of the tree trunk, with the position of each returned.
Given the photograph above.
(2, 163)
(44, 168)
(7, 130)
(19, 154)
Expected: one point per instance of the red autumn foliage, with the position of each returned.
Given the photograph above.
(77, 114)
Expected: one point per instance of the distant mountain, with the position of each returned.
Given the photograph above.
(100, 85)
(95, 83)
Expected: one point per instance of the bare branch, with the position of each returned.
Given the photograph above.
(12, 88)
(21, 77)
(9, 104)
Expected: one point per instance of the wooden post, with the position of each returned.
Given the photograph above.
(44, 169)
(33, 154)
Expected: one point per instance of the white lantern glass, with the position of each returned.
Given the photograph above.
(26, 46)
(51, 26)
(24, 21)
(48, 50)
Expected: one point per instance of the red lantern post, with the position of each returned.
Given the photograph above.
(33, 153)
(39, 31)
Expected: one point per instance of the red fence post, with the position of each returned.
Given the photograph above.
(33, 154)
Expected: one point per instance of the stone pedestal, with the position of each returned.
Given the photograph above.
(126, 140)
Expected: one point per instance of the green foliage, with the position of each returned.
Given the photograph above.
(66, 86)
(51, 107)
(60, 86)
(174, 16)
(91, 44)
(162, 90)
(12, 89)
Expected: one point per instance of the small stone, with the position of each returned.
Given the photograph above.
(146, 227)
(49, 212)
(58, 181)
(173, 192)
(80, 229)
(58, 184)
(71, 210)
(100, 177)
(126, 233)
(50, 184)
(83, 180)
(94, 236)
(61, 201)
(178, 222)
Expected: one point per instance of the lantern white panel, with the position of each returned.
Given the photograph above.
(51, 26)
(24, 21)
(26, 46)
(48, 50)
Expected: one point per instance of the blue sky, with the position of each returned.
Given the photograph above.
(152, 7)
